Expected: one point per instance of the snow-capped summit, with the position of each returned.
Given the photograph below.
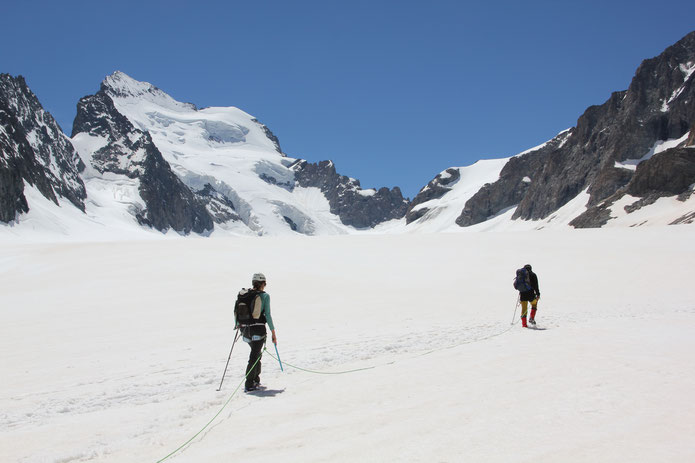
(124, 88)
(149, 163)
(171, 122)
(224, 169)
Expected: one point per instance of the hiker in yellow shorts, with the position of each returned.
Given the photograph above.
(526, 283)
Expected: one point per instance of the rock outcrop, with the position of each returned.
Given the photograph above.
(435, 189)
(128, 151)
(659, 105)
(33, 151)
(356, 207)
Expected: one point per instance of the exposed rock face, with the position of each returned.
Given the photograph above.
(220, 207)
(129, 151)
(16, 162)
(170, 204)
(113, 114)
(669, 173)
(515, 180)
(33, 150)
(271, 136)
(126, 147)
(122, 132)
(435, 189)
(596, 216)
(122, 122)
(355, 207)
(691, 139)
(658, 105)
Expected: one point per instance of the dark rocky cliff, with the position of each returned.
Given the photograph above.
(169, 204)
(669, 173)
(659, 105)
(34, 151)
(354, 206)
(514, 183)
(435, 189)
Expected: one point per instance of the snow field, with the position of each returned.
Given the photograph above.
(113, 351)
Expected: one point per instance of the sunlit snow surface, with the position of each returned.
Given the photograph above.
(112, 352)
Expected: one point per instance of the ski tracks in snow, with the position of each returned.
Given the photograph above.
(180, 397)
(169, 385)
(369, 350)
(115, 391)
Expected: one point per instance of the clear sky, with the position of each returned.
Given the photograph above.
(393, 91)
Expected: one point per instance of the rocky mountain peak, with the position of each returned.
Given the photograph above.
(224, 159)
(121, 86)
(125, 150)
(658, 106)
(356, 207)
(33, 151)
(170, 166)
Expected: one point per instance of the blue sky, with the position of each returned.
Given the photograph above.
(393, 91)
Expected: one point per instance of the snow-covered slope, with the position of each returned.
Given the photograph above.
(622, 157)
(112, 352)
(450, 191)
(149, 162)
(140, 161)
(223, 151)
(440, 214)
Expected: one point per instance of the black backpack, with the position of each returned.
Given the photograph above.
(248, 301)
(522, 282)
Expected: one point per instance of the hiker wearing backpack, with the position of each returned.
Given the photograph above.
(526, 282)
(251, 313)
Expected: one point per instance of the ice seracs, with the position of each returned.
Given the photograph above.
(220, 154)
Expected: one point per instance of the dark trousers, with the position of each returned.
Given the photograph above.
(253, 369)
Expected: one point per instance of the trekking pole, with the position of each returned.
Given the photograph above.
(236, 336)
(515, 307)
(278, 354)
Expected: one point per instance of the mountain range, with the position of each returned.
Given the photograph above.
(139, 162)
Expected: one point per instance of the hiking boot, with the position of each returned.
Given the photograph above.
(532, 321)
(523, 322)
(251, 388)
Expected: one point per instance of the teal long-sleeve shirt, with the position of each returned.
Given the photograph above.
(265, 309)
